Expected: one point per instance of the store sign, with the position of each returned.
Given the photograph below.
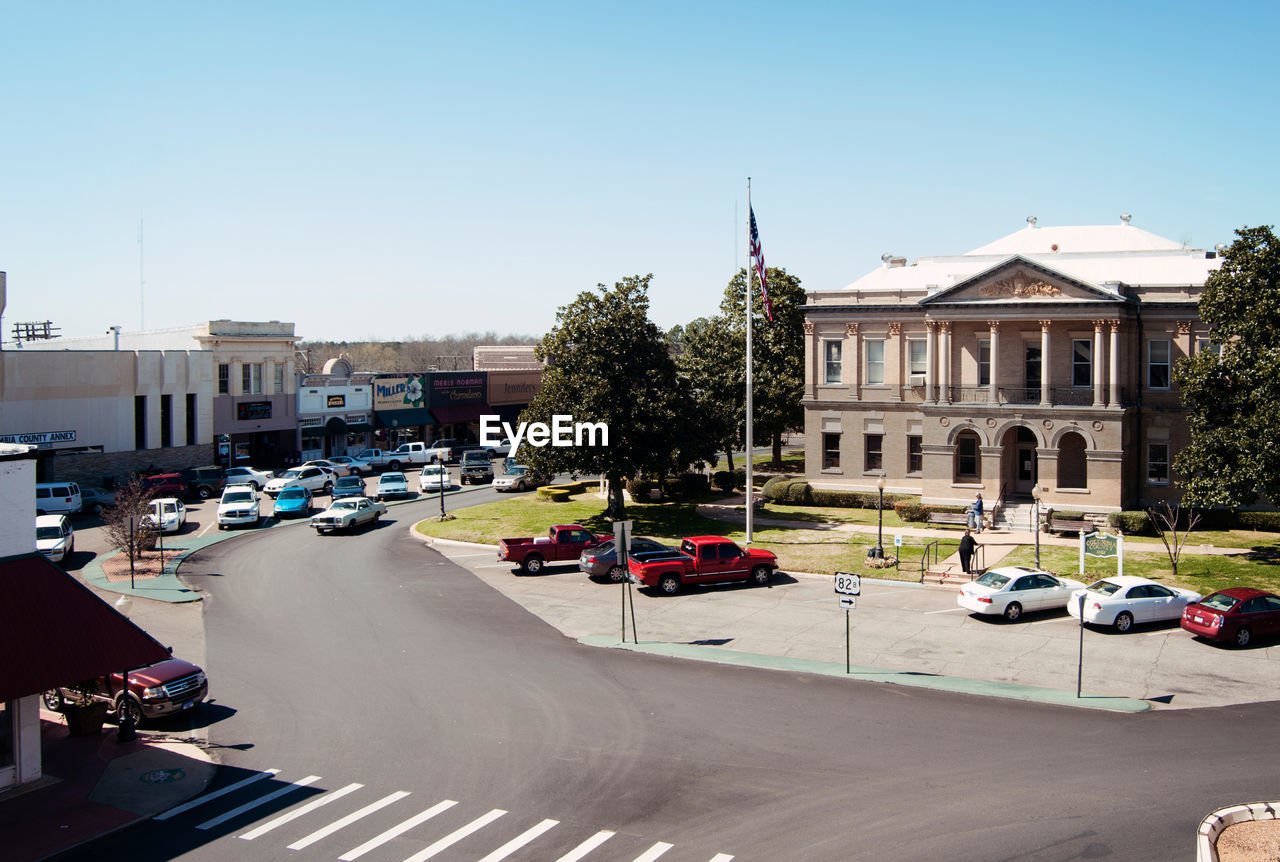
(249, 410)
(40, 438)
(336, 401)
(398, 393)
(513, 387)
(457, 389)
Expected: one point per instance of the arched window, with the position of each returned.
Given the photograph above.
(1072, 469)
(968, 461)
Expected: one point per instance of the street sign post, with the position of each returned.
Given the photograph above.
(848, 587)
(621, 547)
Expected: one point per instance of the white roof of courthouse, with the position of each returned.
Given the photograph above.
(1095, 254)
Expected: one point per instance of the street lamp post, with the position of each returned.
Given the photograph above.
(128, 729)
(1035, 494)
(879, 552)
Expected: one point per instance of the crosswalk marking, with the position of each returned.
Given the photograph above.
(397, 830)
(654, 852)
(296, 813)
(586, 846)
(456, 836)
(348, 820)
(519, 841)
(722, 857)
(200, 800)
(261, 800)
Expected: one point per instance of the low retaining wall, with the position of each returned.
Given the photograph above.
(1213, 825)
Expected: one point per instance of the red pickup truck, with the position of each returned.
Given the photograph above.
(562, 542)
(702, 560)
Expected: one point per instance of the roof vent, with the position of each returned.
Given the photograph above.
(1125, 218)
(895, 262)
(1031, 221)
(884, 260)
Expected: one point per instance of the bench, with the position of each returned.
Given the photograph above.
(957, 518)
(1071, 525)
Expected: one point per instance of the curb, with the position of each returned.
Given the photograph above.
(1213, 825)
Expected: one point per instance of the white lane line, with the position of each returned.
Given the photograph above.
(208, 527)
(398, 830)
(488, 554)
(586, 846)
(1050, 622)
(722, 857)
(296, 813)
(519, 841)
(456, 836)
(201, 800)
(261, 800)
(333, 827)
(654, 852)
(945, 611)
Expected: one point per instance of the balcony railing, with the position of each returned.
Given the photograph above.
(1060, 396)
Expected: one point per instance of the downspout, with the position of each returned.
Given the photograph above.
(1139, 441)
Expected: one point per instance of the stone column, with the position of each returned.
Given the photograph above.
(1045, 395)
(1099, 398)
(851, 371)
(994, 333)
(944, 361)
(1113, 361)
(893, 358)
(931, 351)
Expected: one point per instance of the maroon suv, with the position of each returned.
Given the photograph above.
(165, 485)
(165, 688)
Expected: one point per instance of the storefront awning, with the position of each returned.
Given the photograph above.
(54, 631)
(451, 413)
(403, 418)
(335, 425)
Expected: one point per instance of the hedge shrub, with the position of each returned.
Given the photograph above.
(640, 489)
(1268, 522)
(1130, 523)
(769, 490)
(911, 511)
(694, 485)
(724, 481)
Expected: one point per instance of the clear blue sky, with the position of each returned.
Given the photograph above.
(384, 170)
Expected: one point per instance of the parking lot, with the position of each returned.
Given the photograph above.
(903, 628)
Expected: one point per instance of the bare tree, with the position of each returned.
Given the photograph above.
(1165, 519)
(132, 503)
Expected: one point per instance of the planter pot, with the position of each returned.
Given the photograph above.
(86, 720)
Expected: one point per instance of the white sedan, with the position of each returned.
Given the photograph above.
(246, 475)
(347, 513)
(316, 479)
(434, 478)
(394, 485)
(1123, 600)
(1011, 591)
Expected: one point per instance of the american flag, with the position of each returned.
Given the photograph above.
(757, 258)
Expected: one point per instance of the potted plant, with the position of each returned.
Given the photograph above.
(85, 712)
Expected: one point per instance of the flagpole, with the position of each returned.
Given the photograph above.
(747, 297)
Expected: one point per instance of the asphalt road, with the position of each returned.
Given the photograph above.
(369, 659)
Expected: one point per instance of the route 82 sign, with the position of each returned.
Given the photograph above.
(848, 584)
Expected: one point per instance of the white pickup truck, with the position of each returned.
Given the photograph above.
(396, 459)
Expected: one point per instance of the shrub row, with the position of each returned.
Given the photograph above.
(798, 492)
(686, 486)
(562, 493)
(914, 511)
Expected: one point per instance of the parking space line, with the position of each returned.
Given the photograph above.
(945, 611)
(1048, 622)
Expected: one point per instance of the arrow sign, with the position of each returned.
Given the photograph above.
(848, 601)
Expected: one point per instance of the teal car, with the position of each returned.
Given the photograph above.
(293, 502)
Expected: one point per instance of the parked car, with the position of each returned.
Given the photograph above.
(58, 498)
(97, 501)
(1013, 590)
(518, 477)
(349, 466)
(702, 560)
(347, 513)
(162, 689)
(167, 514)
(1123, 600)
(55, 537)
(292, 502)
(202, 482)
(164, 485)
(562, 542)
(348, 486)
(392, 485)
(602, 561)
(434, 478)
(330, 464)
(238, 507)
(242, 475)
(476, 468)
(315, 479)
(1236, 616)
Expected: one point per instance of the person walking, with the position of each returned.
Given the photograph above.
(967, 546)
(977, 511)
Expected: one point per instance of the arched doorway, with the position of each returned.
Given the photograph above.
(1021, 469)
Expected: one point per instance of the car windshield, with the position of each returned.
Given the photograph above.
(347, 483)
(1105, 587)
(239, 497)
(515, 471)
(291, 474)
(48, 532)
(391, 479)
(292, 493)
(345, 504)
(1220, 602)
(995, 580)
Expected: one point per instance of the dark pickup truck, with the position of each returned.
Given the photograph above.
(702, 560)
(562, 542)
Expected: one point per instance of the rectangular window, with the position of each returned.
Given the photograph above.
(166, 421)
(139, 421)
(278, 373)
(1158, 463)
(830, 451)
(1082, 362)
(984, 361)
(875, 452)
(251, 378)
(832, 351)
(967, 456)
(224, 379)
(917, 357)
(915, 454)
(875, 363)
(1203, 344)
(1157, 364)
(1032, 366)
(191, 419)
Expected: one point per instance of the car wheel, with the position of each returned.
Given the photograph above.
(394, 467)
(669, 585)
(98, 509)
(52, 700)
(1243, 636)
(222, 526)
(760, 575)
(532, 564)
(134, 709)
(1124, 621)
(520, 486)
(615, 574)
(204, 492)
(1013, 611)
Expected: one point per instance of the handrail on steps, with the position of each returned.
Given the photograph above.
(931, 551)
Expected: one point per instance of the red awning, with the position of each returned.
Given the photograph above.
(450, 413)
(55, 631)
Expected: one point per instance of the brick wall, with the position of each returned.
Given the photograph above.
(90, 468)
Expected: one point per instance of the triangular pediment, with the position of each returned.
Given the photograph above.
(1021, 280)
